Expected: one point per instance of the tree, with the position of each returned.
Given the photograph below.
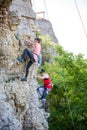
(68, 98)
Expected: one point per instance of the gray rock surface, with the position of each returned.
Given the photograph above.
(7, 118)
(19, 106)
(46, 28)
(18, 100)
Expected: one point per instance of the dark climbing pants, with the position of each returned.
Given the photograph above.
(28, 53)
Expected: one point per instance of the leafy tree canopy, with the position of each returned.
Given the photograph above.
(68, 99)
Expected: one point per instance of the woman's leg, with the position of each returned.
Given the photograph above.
(45, 92)
(28, 66)
(27, 70)
(40, 90)
(27, 53)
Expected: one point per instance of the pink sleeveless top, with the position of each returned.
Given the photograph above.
(36, 50)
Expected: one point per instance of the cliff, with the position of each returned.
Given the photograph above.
(19, 104)
(46, 28)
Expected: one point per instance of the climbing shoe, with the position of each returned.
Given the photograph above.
(20, 59)
(24, 79)
(40, 98)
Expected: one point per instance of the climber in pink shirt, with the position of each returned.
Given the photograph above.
(36, 51)
(34, 57)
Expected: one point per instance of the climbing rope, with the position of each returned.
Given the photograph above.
(46, 9)
(67, 99)
(44, 2)
(80, 18)
(33, 5)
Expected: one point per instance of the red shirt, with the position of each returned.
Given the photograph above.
(47, 83)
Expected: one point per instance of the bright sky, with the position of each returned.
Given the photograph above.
(66, 22)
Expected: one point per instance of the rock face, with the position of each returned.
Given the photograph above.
(46, 28)
(5, 3)
(19, 104)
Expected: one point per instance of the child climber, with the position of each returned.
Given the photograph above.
(35, 56)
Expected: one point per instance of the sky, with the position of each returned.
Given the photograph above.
(66, 22)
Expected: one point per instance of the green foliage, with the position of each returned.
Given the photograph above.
(68, 99)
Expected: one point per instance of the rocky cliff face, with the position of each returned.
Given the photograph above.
(18, 100)
(46, 28)
(5, 3)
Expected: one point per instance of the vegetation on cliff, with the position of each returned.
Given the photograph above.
(67, 101)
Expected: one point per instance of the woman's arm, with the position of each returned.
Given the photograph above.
(43, 76)
(40, 77)
(28, 43)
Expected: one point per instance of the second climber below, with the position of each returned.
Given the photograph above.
(33, 56)
(46, 88)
